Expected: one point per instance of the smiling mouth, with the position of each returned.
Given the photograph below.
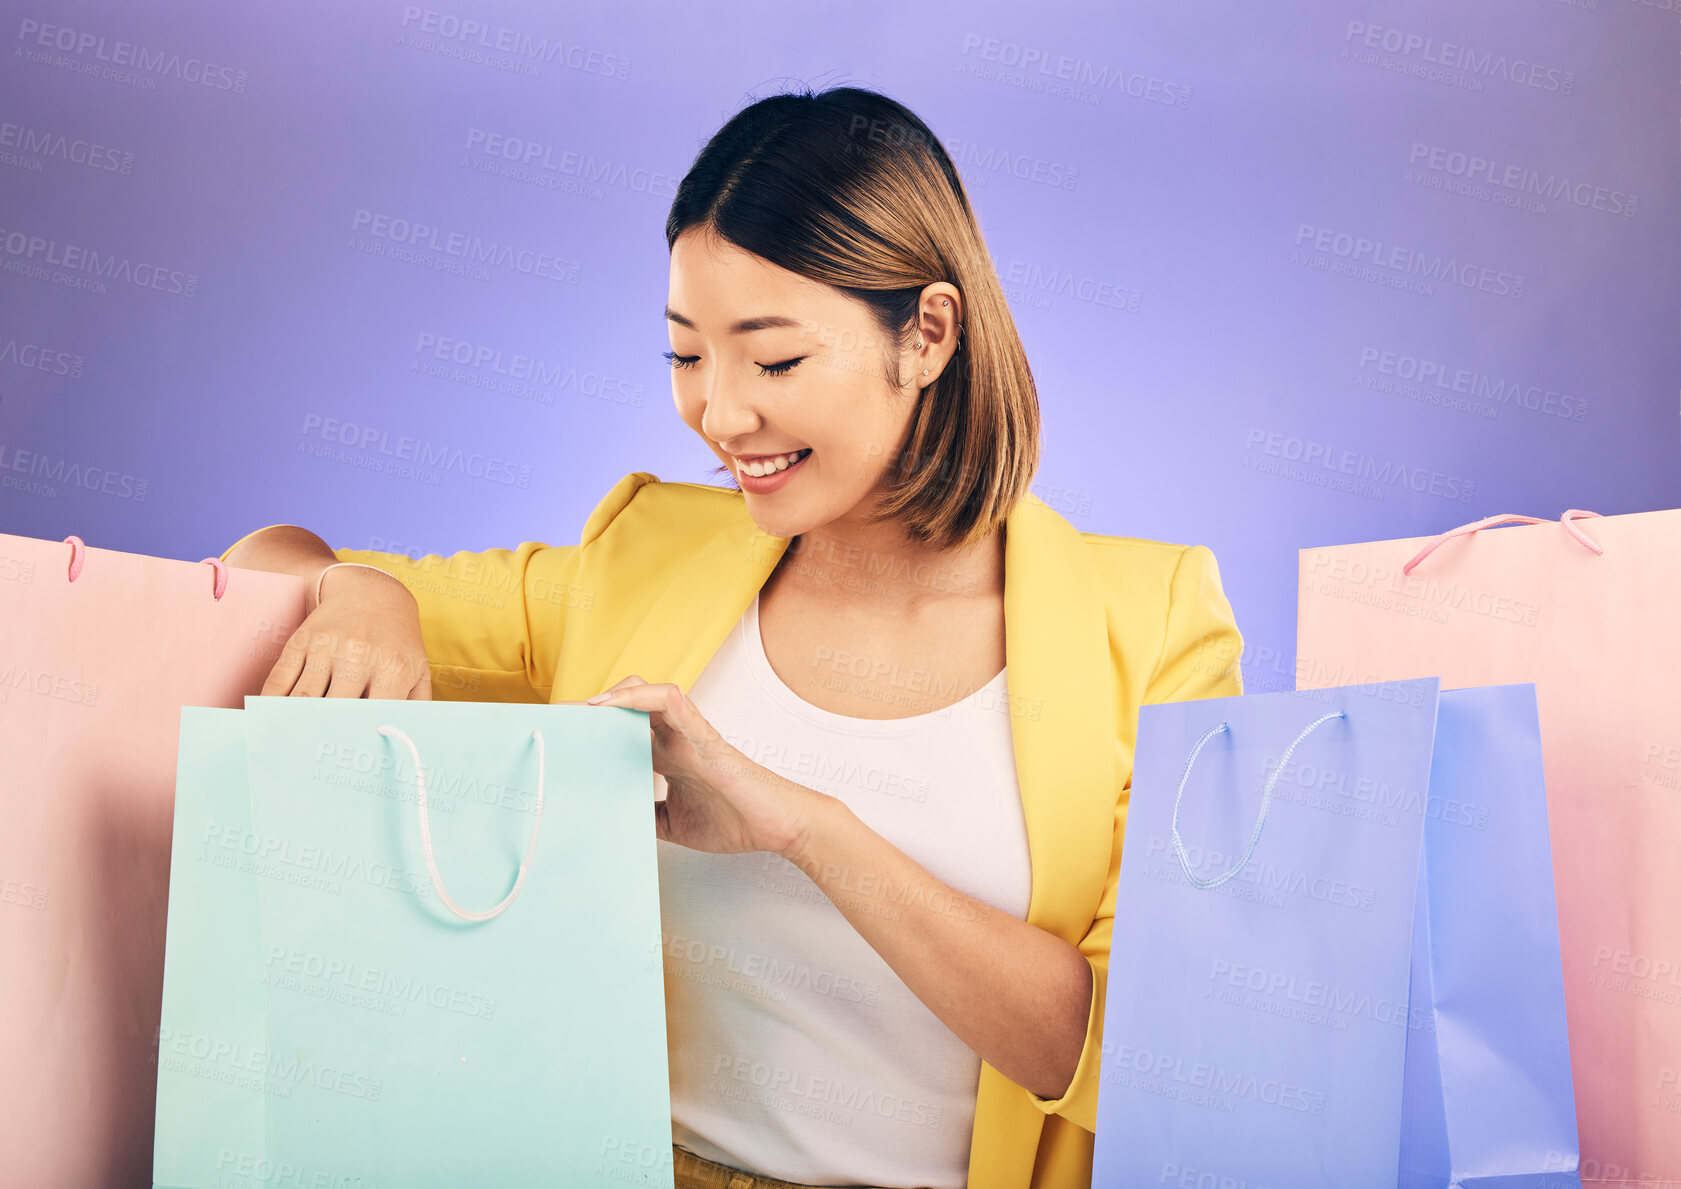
(761, 468)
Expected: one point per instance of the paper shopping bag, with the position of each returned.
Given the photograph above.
(1255, 1023)
(452, 905)
(1268, 1030)
(1489, 1102)
(216, 1069)
(99, 651)
(1585, 610)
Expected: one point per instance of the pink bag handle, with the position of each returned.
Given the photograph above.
(426, 833)
(220, 569)
(79, 556)
(1568, 520)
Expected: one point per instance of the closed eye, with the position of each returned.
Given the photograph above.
(765, 369)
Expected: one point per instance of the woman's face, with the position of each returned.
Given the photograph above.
(766, 362)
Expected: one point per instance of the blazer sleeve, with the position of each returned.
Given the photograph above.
(492, 620)
(1201, 650)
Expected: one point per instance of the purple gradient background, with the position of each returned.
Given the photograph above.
(1156, 419)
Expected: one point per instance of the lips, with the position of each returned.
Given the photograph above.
(772, 480)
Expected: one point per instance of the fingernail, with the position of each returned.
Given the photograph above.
(599, 698)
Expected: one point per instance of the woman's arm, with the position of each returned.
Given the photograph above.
(289, 549)
(362, 639)
(1029, 1003)
(1015, 994)
(281, 549)
(491, 621)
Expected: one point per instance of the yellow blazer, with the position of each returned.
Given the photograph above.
(1094, 627)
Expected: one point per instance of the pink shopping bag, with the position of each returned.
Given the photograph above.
(99, 650)
(1589, 609)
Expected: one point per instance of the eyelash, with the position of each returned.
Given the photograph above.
(765, 369)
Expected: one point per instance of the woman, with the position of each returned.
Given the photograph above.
(892, 694)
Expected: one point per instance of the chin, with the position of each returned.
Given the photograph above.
(774, 526)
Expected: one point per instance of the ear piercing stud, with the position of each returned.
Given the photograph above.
(945, 301)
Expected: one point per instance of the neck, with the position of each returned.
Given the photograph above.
(876, 564)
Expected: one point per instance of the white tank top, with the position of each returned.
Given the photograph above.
(804, 1056)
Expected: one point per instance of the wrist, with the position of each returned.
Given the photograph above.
(812, 821)
(339, 577)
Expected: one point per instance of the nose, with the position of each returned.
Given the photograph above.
(726, 417)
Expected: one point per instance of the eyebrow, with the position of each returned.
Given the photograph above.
(745, 326)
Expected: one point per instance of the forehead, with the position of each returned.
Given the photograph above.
(715, 285)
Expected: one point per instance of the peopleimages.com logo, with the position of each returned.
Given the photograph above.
(91, 50)
(1380, 368)
(390, 235)
(419, 451)
(1394, 261)
(1037, 68)
(1414, 47)
(35, 357)
(431, 29)
(39, 143)
(1476, 169)
(33, 255)
(1354, 467)
(1120, 1059)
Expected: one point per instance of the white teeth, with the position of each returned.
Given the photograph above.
(769, 466)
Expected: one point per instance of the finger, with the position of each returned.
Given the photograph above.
(681, 713)
(284, 675)
(312, 682)
(422, 691)
(655, 700)
(387, 684)
(391, 680)
(668, 709)
(673, 725)
(633, 693)
(346, 681)
(625, 683)
(676, 713)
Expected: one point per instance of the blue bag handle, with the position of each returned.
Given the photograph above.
(1260, 820)
(426, 833)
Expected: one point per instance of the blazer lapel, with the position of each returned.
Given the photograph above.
(1056, 650)
(689, 621)
(1062, 715)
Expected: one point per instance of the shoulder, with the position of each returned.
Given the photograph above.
(1167, 606)
(1141, 571)
(642, 503)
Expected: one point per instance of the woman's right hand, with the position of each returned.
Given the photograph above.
(362, 641)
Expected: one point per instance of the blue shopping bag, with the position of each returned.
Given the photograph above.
(1489, 1096)
(445, 910)
(1254, 1029)
(1356, 980)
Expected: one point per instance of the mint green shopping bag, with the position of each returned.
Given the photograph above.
(213, 1061)
(467, 987)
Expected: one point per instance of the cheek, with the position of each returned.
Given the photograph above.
(870, 418)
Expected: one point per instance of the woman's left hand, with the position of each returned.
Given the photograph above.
(716, 799)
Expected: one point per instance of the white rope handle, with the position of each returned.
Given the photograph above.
(426, 833)
(1260, 820)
